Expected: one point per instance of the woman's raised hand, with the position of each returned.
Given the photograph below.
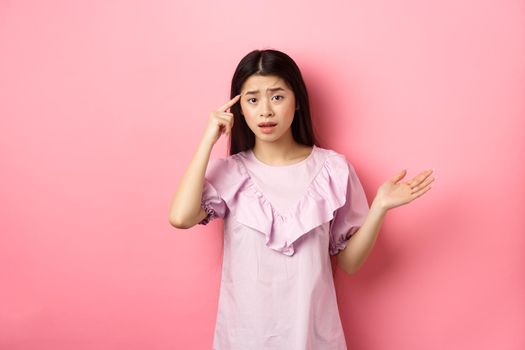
(393, 193)
(220, 121)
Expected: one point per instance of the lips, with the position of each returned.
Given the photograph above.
(266, 124)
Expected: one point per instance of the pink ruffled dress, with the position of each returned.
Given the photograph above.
(281, 225)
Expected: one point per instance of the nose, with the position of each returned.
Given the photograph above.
(266, 109)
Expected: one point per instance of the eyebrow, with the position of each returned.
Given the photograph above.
(254, 92)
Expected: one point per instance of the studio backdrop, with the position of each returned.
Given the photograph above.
(103, 103)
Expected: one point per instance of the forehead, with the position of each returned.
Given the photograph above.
(262, 83)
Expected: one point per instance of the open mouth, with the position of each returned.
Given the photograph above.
(267, 127)
(266, 124)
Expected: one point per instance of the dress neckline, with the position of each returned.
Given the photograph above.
(314, 155)
(286, 166)
(324, 194)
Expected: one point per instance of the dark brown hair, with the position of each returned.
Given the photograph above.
(270, 62)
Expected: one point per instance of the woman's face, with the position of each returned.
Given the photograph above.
(267, 99)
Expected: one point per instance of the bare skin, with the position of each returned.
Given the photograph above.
(186, 210)
(394, 193)
(261, 102)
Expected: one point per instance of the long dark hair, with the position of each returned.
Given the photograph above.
(270, 62)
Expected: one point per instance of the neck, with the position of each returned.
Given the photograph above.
(278, 152)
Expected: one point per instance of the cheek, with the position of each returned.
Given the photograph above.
(251, 120)
(249, 114)
(290, 114)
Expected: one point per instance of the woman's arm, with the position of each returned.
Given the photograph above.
(186, 210)
(391, 194)
(360, 244)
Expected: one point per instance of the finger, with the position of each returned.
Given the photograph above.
(222, 115)
(228, 127)
(422, 175)
(228, 104)
(422, 185)
(399, 176)
(225, 114)
(225, 118)
(225, 124)
(419, 178)
(421, 192)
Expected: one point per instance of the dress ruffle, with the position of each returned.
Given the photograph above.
(207, 205)
(324, 195)
(222, 181)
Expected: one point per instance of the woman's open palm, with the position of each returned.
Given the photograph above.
(394, 193)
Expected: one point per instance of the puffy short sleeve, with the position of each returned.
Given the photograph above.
(348, 218)
(211, 200)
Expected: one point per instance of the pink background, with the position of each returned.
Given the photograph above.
(102, 104)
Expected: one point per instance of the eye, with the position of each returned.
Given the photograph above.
(253, 98)
(279, 96)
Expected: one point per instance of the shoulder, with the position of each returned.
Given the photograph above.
(328, 153)
(229, 163)
(338, 166)
(333, 159)
(227, 171)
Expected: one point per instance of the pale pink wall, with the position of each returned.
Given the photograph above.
(103, 102)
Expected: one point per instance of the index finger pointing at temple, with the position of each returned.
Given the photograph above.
(228, 104)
